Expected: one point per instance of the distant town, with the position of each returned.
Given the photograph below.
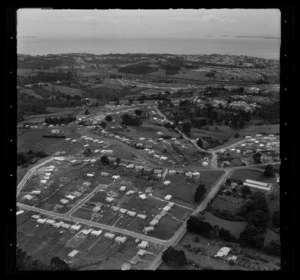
(148, 162)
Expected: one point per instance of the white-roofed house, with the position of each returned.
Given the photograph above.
(142, 216)
(109, 235)
(131, 213)
(73, 254)
(121, 239)
(143, 244)
(168, 197)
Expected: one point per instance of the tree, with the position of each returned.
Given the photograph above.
(104, 160)
(173, 257)
(103, 124)
(195, 225)
(273, 248)
(276, 219)
(118, 160)
(186, 128)
(257, 157)
(252, 236)
(57, 264)
(269, 171)
(108, 118)
(201, 190)
(236, 135)
(87, 152)
(86, 112)
(246, 190)
(225, 234)
(138, 112)
(258, 218)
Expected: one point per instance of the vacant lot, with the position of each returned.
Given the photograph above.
(183, 191)
(256, 175)
(234, 227)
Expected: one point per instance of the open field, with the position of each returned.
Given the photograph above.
(63, 89)
(32, 139)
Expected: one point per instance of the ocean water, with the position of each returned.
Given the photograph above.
(265, 48)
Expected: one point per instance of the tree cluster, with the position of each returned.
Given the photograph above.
(173, 257)
(200, 191)
(130, 120)
(29, 157)
(25, 262)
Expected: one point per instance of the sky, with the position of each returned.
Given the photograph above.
(175, 23)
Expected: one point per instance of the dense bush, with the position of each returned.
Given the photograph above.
(173, 257)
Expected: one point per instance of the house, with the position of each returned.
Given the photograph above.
(141, 252)
(96, 232)
(65, 226)
(157, 171)
(257, 185)
(172, 172)
(41, 221)
(223, 252)
(139, 167)
(130, 166)
(189, 174)
(168, 197)
(109, 199)
(71, 197)
(76, 227)
(36, 192)
(35, 217)
(86, 184)
(158, 217)
(121, 239)
(64, 201)
(77, 194)
(90, 175)
(143, 244)
(141, 216)
(104, 174)
(73, 254)
(231, 258)
(116, 177)
(148, 229)
(166, 183)
(135, 260)
(122, 210)
(96, 209)
(166, 208)
(171, 204)
(109, 235)
(20, 212)
(28, 197)
(130, 192)
(131, 213)
(49, 222)
(154, 222)
(115, 208)
(196, 174)
(58, 224)
(142, 196)
(86, 231)
(163, 213)
(125, 266)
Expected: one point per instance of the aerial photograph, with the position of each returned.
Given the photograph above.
(148, 139)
